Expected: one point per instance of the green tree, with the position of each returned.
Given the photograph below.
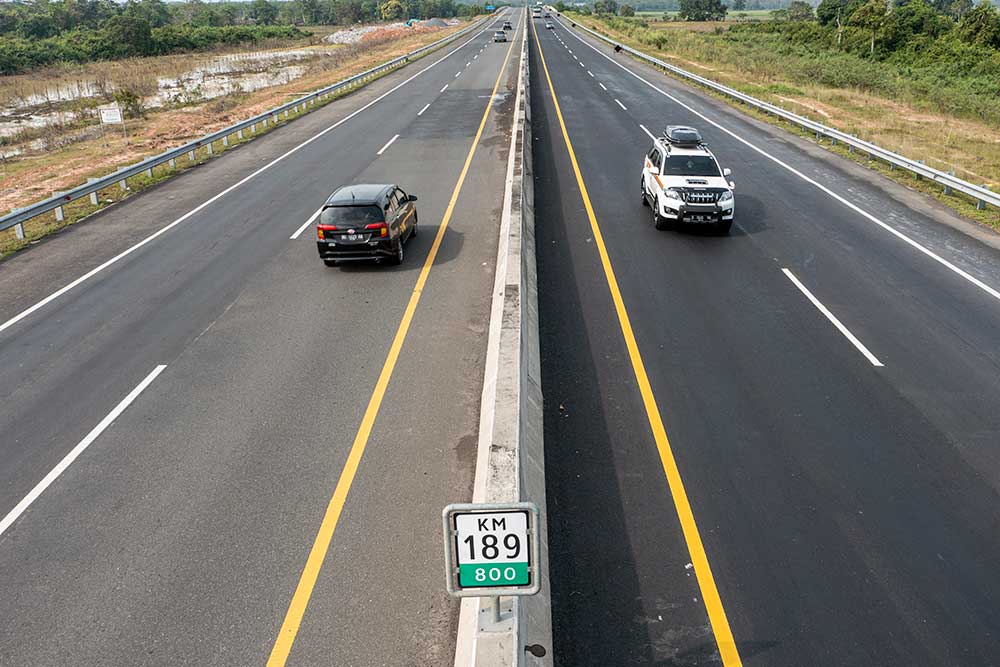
(626, 10)
(128, 36)
(739, 5)
(981, 26)
(391, 10)
(702, 10)
(800, 11)
(606, 7)
(263, 12)
(872, 16)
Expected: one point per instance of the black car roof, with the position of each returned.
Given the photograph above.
(360, 194)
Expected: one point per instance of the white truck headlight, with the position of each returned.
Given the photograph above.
(670, 193)
(726, 196)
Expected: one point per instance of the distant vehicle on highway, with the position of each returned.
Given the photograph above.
(499, 36)
(361, 222)
(549, 26)
(546, 14)
(682, 182)
(507, 25)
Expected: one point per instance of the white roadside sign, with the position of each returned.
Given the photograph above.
(491, 549)
(110, 114)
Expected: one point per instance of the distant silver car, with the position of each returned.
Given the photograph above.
(549, 26)
(499, 36)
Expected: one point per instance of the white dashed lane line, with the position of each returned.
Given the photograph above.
(389, 143)
(602, 86)
(421, 112)
(445, 88)
(624, 108)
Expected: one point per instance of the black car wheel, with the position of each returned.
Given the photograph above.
(413, 232)
(397, 259)
(642, 190)
(659, 221)
(330, 262)
(723, 227)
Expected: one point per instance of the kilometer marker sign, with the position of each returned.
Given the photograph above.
(491, 549)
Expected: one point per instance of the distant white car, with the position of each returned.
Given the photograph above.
(499, 36)
(682, 182)
(549, 26)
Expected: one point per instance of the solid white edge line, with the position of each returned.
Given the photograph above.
(306, 224)
(830, 316)
(387, 144)
(624, 108)
(648, 133)
(33, 495)
(426, 107)
(851, 205)
(602, 86)
(55, 295)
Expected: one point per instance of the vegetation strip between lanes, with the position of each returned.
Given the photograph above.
(307, 581)
(699, 559)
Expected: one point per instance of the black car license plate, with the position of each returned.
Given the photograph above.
(699, 218)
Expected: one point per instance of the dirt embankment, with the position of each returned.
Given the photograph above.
(36, 174)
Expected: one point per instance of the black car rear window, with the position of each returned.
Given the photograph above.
(356, 216)
(690, 165)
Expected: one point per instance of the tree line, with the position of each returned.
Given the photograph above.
(36, 33)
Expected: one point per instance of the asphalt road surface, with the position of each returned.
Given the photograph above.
(181, 532)
(843, 485)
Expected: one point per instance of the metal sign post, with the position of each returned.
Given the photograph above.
(491, 550)
(111, 114)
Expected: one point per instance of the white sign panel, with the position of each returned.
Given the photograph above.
(111, 114)
(491, 548)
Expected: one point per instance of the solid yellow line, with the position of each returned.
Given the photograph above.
(703, 572)
(297, 607)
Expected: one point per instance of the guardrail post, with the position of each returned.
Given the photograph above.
(60, 214)
(980, 204)
(947, 188)
(173, 163)
(239, 133)
(253, 128)
(209, 147)
(225, 140)
(190, 156)
(93, 195)
(149, 172)
(123, 185)
(18, 228)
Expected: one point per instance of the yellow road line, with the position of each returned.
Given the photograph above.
(297, 607)
(703, 572)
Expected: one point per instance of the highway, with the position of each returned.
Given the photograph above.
(218, 451)
(772, 448)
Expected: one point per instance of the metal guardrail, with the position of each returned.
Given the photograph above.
(950, 182)
(57, 201)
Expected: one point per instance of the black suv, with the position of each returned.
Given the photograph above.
(365, 222)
